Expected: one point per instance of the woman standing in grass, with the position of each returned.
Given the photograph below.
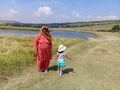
(43, 46)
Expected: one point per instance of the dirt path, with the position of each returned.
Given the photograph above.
(92, 68)
(105, 38)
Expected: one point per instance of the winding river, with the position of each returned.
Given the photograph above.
(54, 33)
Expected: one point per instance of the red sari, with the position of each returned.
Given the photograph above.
(43, 46)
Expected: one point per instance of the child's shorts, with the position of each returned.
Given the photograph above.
(61, 63)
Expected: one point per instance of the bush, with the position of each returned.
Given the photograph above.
(115, 28)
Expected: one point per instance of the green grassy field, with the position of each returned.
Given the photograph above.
(16, 54)
(95, 64)
(87, 28)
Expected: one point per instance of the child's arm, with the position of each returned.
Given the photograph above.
(67, 57)
(56, 57)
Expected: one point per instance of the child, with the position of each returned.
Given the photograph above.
(60, 58)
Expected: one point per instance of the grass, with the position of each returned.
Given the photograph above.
(89, 28)
(96, 27)
(16, 53)
(100, 67)
(95, 65)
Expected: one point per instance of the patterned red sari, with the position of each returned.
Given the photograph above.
(43, 46)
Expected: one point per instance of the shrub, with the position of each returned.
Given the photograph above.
(115, 28)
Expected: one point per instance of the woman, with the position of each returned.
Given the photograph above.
(43, 46)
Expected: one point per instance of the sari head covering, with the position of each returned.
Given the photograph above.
(45, 31)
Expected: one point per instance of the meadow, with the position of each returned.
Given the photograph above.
(16, 54)
(95, 63)
(78, 26)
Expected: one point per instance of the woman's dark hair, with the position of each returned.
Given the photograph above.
(46, 29)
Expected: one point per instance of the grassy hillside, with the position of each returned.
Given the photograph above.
(94, 25)
(83, 29)
(16, 54)
(95, 65)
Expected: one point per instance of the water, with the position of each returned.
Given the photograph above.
(54, 33)
(72, 34)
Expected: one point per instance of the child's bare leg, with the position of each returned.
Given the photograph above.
(61, 69)
(58, 70)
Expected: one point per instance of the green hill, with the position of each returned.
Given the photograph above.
(58, 25)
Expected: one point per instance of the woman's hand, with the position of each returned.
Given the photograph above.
(35, 54)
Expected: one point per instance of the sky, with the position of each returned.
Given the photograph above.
(58, 11)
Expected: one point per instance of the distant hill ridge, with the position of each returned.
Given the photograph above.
(7, 21)
(57, 25)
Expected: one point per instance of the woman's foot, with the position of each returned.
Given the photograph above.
(40, 70)
(46, 71)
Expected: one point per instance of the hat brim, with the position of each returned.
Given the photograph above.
(60, 50)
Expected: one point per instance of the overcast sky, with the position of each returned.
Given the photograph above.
(52, 11)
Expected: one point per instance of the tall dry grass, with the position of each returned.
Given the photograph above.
(16, 53)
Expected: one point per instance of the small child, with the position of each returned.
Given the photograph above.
(60, 58)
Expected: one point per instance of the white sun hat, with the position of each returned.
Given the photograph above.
(61, 48)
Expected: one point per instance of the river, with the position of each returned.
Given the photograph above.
(56, 33)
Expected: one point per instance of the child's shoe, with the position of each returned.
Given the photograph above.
(60, 73)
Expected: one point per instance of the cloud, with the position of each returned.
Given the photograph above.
(76, 14)
(88, 17)
(13, 12)
(43, 11)
(10, 14)
(109, 17)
